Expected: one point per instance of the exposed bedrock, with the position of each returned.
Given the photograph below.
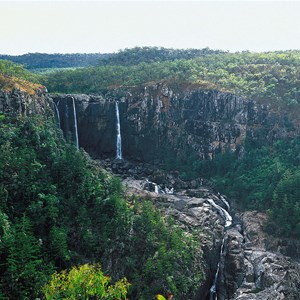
(160, 120)
(253, 264)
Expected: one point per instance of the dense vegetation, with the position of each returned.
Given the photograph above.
(137, 55)
(58, 209)
(264, 177)
(268, 77)
(14, 76)
(44, 60)
(84, 283)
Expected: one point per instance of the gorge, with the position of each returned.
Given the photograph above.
(181, 147)
(159, 120)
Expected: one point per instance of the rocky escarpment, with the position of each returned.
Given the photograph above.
(16, 102)
(164, 118)
(255, 266)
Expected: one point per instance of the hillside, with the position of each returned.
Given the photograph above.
(269, 77)
(47, 61)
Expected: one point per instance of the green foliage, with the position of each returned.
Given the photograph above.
(137, 55)
(44, 60)
(85, 282)
(158, 243)
(160, 297)
(23, 267)
(271, 76)
(264, 177)
(59, 209)
(285, 210)
(10, 69)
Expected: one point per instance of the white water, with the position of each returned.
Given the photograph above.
(228, 221)
(227, 217)
(225, 202)
(213, 289)
(75, 124)
(119, 138)
(57, 113)
(169, 191)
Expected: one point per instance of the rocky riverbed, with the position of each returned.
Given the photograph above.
(253, 264)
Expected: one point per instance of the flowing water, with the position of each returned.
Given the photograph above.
(228, 221)
(75, 124)
(57, 113)
(119, 138)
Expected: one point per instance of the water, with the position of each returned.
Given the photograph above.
(75, 124)
(119, 138)
(213, 289)
(225, 202)
(57, 113)
(228, 221)
(223, 212)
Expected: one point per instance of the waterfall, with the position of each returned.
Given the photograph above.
(228, 221)
(66, 121)
(213, 289)
(225, 202)
(224, 213)
(119, 138)
(75, 124)
(57, 113)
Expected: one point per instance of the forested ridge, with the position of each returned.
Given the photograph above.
(270, 77)
(36, 61)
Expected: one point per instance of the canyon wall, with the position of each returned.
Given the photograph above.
(162, 120)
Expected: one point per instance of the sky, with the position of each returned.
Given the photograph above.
(108, 26)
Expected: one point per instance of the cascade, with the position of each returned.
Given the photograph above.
(119, 138)
(75, 124)
(228, 221)
(225, 202)
(66, 129)
(57, 113)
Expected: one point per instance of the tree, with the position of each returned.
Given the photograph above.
(85, 282)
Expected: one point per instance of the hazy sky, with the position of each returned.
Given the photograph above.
(98, 26)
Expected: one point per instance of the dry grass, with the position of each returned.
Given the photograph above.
(8, 84)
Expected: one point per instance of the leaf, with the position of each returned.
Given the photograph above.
(160, 297)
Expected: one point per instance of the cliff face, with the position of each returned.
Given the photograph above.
(158, 119)
(16, 102)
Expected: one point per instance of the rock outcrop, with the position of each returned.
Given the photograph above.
(17, 102)
(166, 118)
(253, 264)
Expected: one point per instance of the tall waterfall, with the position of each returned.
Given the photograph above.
(57, 113)
(119, 138)
(75, 124)
(228, 221)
